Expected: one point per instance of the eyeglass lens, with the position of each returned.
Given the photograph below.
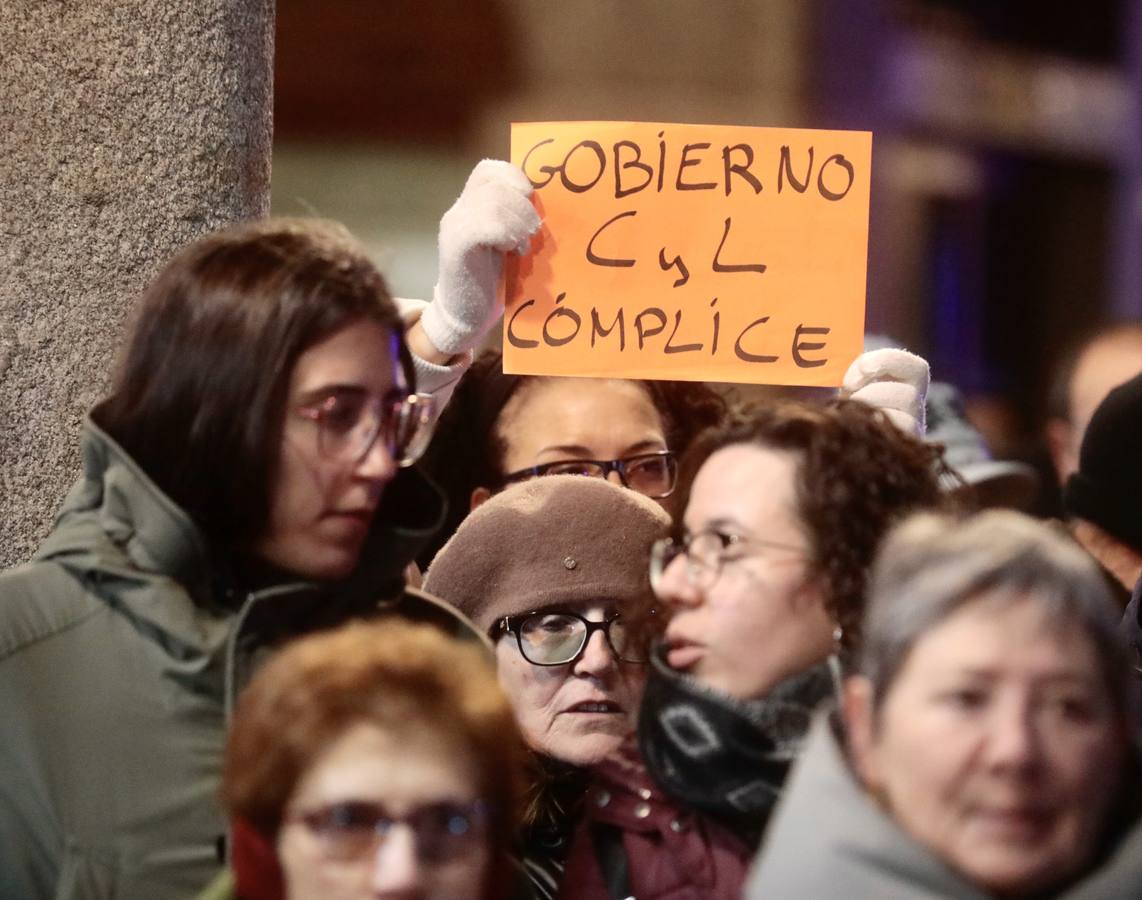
(349, 424)
(355, 829)
(651, 474)
(555, 638)
(703, 553)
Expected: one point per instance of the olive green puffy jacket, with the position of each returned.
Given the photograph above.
(120, 656)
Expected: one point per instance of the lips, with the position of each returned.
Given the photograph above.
(682, 653)
(597, 707)
(348, 524)
(1020, 823)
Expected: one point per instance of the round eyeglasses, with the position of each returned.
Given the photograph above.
(651, 474)
(559, 638)
(706, 553)
(350, 422)
(354, 830)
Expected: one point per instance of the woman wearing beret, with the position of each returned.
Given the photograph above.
(549, 570)
(990, 742)
(763, 586)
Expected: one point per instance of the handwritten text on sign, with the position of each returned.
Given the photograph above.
(693, 252)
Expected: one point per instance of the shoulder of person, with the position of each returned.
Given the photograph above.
(38, 600)
(418, 605)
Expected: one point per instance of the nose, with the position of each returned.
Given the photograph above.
(1014, 743)
(597, 657)
(614, 478)
(674, 586)
(377, 464)
(396, 869)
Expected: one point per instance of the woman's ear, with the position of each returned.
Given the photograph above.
(479, 495)
(857, 711)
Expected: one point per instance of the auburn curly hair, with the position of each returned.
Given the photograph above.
(858, 475)
(399, 676)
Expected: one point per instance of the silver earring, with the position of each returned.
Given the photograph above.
(835, 661)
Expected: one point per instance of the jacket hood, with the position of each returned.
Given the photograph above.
(116, 521)
(828, 838)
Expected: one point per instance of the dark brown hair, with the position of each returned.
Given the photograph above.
(395, 675)
(467, 451)
(857, 476)
(200, 395)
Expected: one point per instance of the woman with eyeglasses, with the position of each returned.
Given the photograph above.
(761, 588)
(550, 569)
(989, 745)
(373, 762)
(499, 429)
(247, 480)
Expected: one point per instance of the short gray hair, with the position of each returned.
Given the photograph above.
(932, 565)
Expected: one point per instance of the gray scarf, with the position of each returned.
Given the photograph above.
(725, 757)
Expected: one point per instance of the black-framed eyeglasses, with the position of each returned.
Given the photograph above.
(558, 638)
(651, 474)
(354, 830)
(706, 552)
(350, 422)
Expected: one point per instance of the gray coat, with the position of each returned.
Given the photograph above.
(121, 652)
(829, 839)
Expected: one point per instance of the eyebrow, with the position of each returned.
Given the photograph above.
(990, 673)
(579, 451)
(725, 523)
(317, 394)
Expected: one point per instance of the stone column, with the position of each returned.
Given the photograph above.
(127, 129)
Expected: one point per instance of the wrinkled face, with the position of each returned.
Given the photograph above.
(762, 618)
(402, 774)
(321, 505)
(578, 712)
(997, 745)
(554, 419)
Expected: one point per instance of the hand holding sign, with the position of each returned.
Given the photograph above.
(491, 217)
(691, 252)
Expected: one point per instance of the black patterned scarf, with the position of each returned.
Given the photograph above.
(725, 757)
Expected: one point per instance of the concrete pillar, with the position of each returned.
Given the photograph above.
(127, 129)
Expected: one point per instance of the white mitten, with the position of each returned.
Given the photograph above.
(894, 381)
(491, 217)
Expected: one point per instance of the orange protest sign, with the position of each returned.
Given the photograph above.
(695, 252)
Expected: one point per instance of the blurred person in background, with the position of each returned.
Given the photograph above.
(248, 479)
(990, 733)
(374, 761)
(1106, 359)
(550, 570)
(976, 478)
(762, 592)
(1103, 500)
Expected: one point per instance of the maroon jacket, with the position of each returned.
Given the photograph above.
(671, 853)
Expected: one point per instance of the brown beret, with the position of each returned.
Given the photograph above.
(559, 539)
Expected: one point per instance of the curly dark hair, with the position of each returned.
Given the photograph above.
(467, 451)
(858, 475)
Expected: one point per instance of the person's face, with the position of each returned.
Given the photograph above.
(762, 619)
(1106, 364)
(997, 745)
(555, 419)
(322, 505)
(402, 773)
(579, 712)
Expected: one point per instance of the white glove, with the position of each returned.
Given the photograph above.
(894, 381)
(491, 217)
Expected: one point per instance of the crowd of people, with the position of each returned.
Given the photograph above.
(664, 646)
